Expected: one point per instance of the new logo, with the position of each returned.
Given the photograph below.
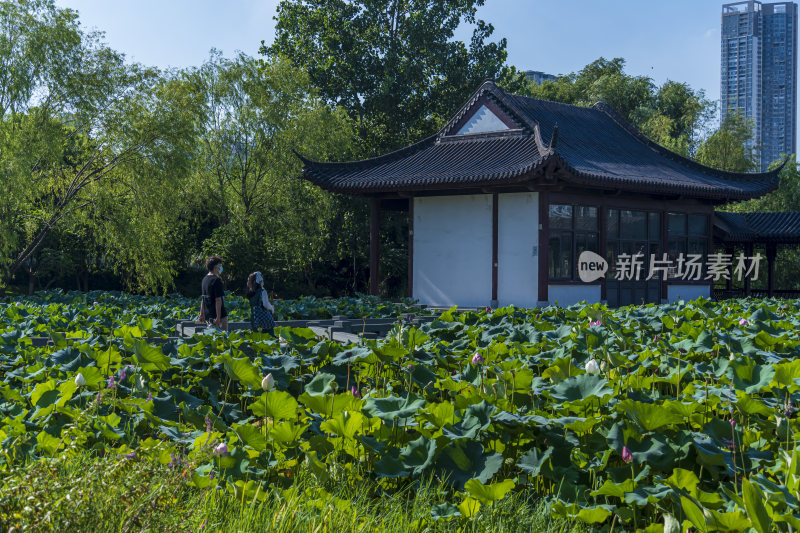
(591, 266)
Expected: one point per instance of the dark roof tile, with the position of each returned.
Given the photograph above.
(761, 227)
(596, 146)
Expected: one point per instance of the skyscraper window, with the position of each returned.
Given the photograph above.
(759, 72)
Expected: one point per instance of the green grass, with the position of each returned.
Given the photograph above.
(88, 493)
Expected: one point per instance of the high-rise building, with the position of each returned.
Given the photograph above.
(758, 75)
(538, 77)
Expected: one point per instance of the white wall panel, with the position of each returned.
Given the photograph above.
(567, 295)
(453, 250)
(518, 249)
(687, 292)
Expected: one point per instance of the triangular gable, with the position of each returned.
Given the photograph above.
(483, 121)
(485, 114)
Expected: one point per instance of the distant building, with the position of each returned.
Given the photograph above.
(758, 74)
(538, 77)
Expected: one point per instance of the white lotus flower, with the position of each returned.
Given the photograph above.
(592, 367)
(268, 383)
(80, 381)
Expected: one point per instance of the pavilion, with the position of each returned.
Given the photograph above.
(503, 200)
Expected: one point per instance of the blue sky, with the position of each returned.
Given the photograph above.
(674, 39)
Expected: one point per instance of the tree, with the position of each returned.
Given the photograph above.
(80, 132)
(256, 114)
(728, 148)
(394, 66)
(672, 115)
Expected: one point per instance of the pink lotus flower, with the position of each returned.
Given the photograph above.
(222, 449)
(593, 323)
(743, 322)
(477, 359)
(627, 456)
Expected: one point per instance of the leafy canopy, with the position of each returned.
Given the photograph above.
(394, 66)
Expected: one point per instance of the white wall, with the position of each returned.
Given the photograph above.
(687, 292)
(571, 294)
(517, 235)
(453, 250)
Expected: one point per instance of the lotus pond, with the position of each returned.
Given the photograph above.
(655, 417)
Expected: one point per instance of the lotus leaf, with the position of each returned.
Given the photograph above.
(581, 387)
(393, 407)
(418, 455)
(488, 494)
(275, 404)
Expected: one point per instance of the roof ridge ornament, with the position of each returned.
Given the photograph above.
(554, 138)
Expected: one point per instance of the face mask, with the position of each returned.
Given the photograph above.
(220, 269)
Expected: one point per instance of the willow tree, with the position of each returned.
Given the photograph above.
(79, 125)
(256, 117)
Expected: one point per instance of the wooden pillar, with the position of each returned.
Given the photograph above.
(495, 223)
(602, 214)
(664, 248)
(374, 245)
(748, 252)
(411, 247)
(729, 282)
(772, 253)
(544, 232)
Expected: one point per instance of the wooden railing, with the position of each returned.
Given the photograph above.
(724, 294)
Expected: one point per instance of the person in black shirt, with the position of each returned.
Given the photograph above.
(212, 305)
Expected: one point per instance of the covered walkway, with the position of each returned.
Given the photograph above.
(751, 233)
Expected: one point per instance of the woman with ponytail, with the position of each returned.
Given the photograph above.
(260, 307)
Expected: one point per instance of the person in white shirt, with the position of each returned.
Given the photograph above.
(261, 309)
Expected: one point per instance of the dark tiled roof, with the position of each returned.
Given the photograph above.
(431, 163)
(595, 146)
(762, 227)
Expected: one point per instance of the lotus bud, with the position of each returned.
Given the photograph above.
(80, 381)
(743, 322)
(268, 383)
(477, 358)
(627, 456)
(592, 367)
(603, 366)
(221, 449)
